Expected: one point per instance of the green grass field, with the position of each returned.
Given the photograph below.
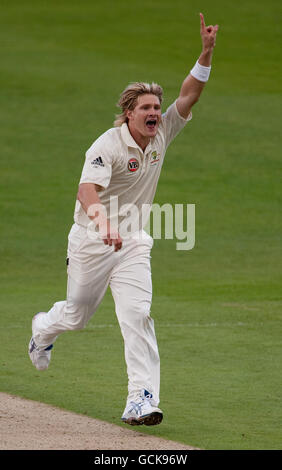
(217, 308)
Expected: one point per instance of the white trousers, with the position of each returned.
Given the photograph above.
(93, 267)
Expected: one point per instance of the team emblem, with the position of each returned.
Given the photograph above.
(133, 164)
(155, 157)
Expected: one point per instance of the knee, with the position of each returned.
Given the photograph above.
(76, 315)
(76, 323)
(135, 313)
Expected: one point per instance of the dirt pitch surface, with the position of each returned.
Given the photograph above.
(30, 425)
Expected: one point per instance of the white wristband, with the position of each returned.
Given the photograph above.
(200, 72)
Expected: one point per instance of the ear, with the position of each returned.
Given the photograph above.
(129, 114)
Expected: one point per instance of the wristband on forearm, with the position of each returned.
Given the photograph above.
(200, 72)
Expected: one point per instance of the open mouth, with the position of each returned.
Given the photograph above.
(151, 124)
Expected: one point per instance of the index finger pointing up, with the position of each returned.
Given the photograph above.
(202, 21)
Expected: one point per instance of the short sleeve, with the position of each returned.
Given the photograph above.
(173, 123)
(97, 167)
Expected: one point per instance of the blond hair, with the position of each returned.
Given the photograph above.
(129, 96)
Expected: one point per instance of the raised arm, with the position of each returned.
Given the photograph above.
(194, 83)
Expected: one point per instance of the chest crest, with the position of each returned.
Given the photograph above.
(132, 165)
(155, 158)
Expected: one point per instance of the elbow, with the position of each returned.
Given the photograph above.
(185, 103)
(194, 99)
(83, 192)
(87, 194)
(79, 195)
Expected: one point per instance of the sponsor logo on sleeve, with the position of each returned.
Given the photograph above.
(97, 162)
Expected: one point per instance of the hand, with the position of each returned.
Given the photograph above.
(113, 239)
(110, 236)
(208, 34)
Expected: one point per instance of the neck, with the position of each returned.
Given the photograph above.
(140, 139)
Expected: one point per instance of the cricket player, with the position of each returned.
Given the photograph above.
(124, 163)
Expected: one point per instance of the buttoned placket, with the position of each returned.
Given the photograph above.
(145, 157)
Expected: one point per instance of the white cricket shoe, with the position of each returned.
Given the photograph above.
(141, 411)
(40, 358)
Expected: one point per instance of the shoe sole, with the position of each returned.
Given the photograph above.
(150, 420)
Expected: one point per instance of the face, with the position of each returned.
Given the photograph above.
(144, 119)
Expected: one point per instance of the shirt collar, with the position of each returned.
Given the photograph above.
(128, 139)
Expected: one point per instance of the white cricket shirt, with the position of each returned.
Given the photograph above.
(128, 175)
